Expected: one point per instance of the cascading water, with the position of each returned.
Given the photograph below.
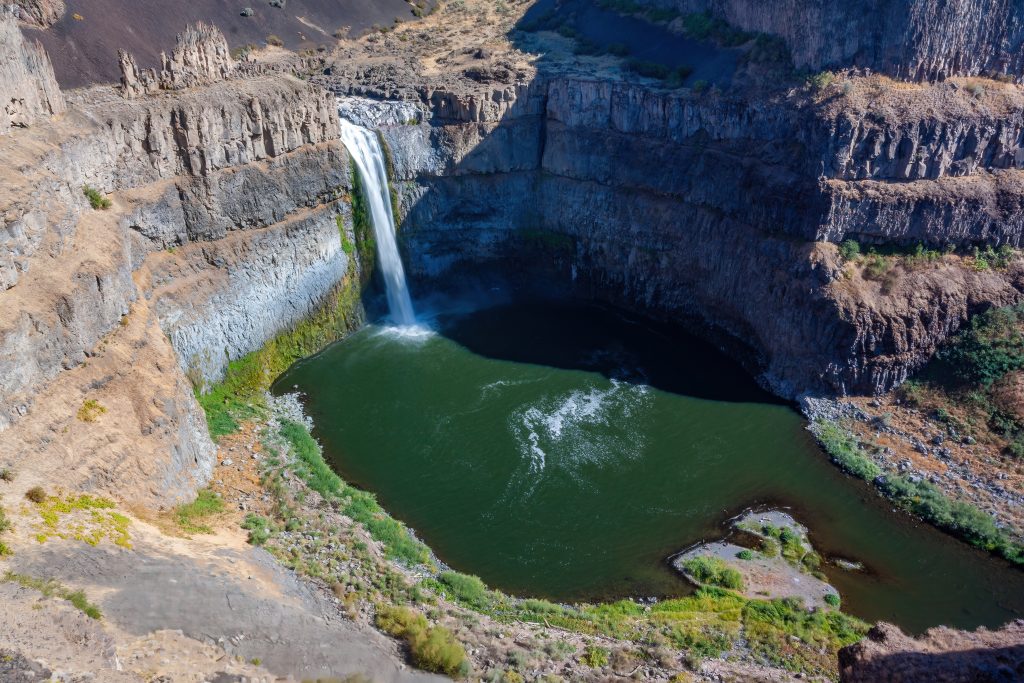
(365, 149)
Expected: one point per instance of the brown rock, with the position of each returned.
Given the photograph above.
(941, 655)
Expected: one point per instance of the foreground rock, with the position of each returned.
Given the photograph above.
(941, 655)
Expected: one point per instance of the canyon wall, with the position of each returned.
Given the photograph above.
(720, 209)
(28, 88)
(914, 39)
(227, 202)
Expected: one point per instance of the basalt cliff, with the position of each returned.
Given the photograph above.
(225, 228)
(156, 232)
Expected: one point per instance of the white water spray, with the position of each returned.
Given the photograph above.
(365, 149)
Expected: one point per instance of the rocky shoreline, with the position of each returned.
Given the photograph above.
(949, 463)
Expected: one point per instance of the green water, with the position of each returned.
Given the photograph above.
(566, 452)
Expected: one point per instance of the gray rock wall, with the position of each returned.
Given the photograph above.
(715, 208)
(916, 39)
(28, 88)
(221, 300)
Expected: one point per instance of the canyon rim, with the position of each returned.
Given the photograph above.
(809, 212)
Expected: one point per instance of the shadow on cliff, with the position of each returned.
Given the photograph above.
(496, 237)
(979, 665)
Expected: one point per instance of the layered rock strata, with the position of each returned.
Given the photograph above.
(229, 202)
(720, 208)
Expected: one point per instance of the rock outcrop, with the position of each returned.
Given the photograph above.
(941, 655)
(28, 89)
(229, 204)
(915, 39)
(39, 13)
(201, 57)
(716, 208)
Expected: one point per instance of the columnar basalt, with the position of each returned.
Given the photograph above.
(715, 207)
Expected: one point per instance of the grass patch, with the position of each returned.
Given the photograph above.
(51, 588)
(96, 199)
(713, 571)
(90, 410)
(361, 506)
(189, 516)
(771, 626)
(432, 648)
(86, 518)
(920, 498)
(844, 450)
(465, 588)
(745, 555)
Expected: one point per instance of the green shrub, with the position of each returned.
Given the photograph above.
(844, 450)
(36, 494)
(432, 648)
(704, 26)
(648, 69)
(991, 346)
(822, 80)
(438, 651)
(877, 266)
(849, 249)
(713, 571)
(96, 200)
(745, 555)
(258, 527)
(465, 588)
(595, 657)
(832, 599)
(769, 547)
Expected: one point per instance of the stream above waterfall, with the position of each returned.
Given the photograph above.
(565, 451)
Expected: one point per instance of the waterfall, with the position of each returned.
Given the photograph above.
(365, 149)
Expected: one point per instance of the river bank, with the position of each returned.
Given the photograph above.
(304, 516)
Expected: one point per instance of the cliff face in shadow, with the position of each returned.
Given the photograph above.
(913, 39)
(724, 208)
(941, 655)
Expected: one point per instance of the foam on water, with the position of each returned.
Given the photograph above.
(409, 333)
(569, 431)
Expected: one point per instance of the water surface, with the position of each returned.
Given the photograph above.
(565, 452)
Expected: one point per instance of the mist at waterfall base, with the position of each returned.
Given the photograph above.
(566, 451)
(366, 152)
